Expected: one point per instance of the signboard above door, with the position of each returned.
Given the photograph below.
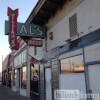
(36, 43)
(28, 30)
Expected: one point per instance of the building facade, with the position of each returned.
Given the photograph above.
(7, 65)
(69, 58)
(73, 29)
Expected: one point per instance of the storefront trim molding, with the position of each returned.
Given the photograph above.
(44, 94)
(51, 79)
(39, 82)
(80, 47)
(85, 75)
(44, 67)
(92, 62)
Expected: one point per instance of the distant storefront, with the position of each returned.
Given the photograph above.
(20, 70)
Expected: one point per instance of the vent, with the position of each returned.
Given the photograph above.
(73, 25)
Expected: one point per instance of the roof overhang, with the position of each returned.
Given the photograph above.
(43, 10)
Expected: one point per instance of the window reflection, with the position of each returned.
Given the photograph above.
(72, 65)
(21, 58)
(24, 75)
(15, 77)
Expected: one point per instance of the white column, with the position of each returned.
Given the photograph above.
(28, 72)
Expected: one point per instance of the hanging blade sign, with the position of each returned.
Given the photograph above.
(13, 14)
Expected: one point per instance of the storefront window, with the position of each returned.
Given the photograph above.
(34, 77)
(72, 65)
(15, 77)
(20, 59)
(24, 76)
(24, 56)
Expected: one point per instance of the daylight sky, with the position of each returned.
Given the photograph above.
(25, 7)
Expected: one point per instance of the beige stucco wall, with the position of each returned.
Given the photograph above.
(61, 13)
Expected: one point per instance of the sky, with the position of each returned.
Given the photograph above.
(25, 7)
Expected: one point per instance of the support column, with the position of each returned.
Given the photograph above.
(28, 73)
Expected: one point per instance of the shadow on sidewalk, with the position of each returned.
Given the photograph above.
(7, 94)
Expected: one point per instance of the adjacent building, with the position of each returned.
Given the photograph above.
(7, 65)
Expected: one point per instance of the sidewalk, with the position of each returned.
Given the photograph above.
(8, 94)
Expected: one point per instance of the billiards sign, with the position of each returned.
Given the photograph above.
(12, 30)
(28, 30)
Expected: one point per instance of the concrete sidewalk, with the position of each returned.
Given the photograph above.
(8, 94)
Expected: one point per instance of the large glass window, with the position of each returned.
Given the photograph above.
(24, 76)
(72, 65)
(21, 58)
(15, 77)
(34, 77)
(24, 56)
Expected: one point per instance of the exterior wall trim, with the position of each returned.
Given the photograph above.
(44, 94)
(58, 64)
(92, 63)
(51, 78)
(44, 67)
(85, 75)
(98, 41)
(39, 82)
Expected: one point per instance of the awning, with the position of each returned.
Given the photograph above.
(36, 59)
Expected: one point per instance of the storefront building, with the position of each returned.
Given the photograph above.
(7, 70)
(20, 69)
(73, 29)
(4, 70)
(69, 58)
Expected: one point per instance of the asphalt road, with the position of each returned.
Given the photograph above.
(8, 94)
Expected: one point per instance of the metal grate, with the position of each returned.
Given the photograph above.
(73, 25)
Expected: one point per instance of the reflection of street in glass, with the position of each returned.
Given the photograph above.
(24, 77)
(72, 65)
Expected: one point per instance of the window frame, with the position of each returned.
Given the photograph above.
(22, 78)
(68, 58)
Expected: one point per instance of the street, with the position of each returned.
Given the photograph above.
(8, 94)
